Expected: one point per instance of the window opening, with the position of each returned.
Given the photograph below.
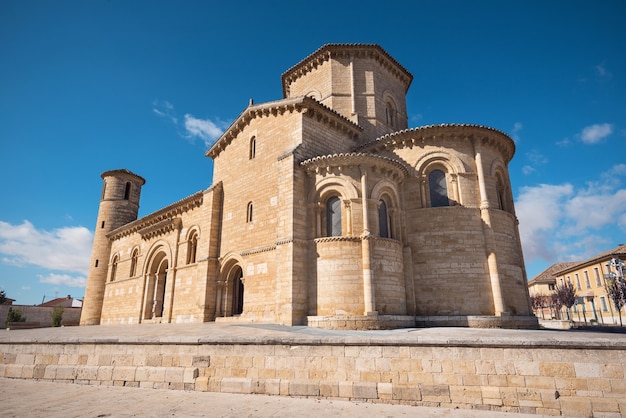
(127, 191)
(587, 281)
(104, 189)
(249, 212)
(333, 217)
(192, 246)
(252, 147)
(113, 268)
(133, 263)
(102, 225)
(390, 113)
(597, 275)
(383, 220)
(438, 189)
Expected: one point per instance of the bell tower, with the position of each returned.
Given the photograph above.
(119, 205)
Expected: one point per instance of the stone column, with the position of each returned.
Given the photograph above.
(492, 261)
(366, 254)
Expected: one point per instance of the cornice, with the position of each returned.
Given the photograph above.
(417, 136)
(123, 172)
(305, 105)
(325, 162)
(160, 228)
(258, 250)
(328, 51)
(619, 252)
(168, 212)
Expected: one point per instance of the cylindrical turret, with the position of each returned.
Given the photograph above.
(119, 205)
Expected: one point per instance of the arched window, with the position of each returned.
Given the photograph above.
(114, 267)
(252, 147)
(249, 213)
(438, 189)
(390, 113)
(192, 246)
(503, 194)
(127, 191)
(333, 217)
(133, 262)
(383, 220)
(104, 190)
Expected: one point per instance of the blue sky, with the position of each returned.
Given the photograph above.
(89, 86)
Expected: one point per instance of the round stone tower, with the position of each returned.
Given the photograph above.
(119, 205)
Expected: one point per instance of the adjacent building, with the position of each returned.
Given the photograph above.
(590, 279)
(325, 210)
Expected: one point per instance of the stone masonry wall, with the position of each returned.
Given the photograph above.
(555, 380)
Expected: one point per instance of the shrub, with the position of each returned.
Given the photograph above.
(57, 316)
(15, 316)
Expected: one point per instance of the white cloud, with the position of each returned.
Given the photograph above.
(517, 127)
(602, 73)
(594, 133)
(204, 129)
(64, 249)
(63, 280)
(564, 223)
(165, 109)
(527, 169)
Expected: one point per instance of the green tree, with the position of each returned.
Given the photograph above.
(3, 297)
(57, 316)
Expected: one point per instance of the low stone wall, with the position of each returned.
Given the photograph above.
(39, 316)
(553, 379)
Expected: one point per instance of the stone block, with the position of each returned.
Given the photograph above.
(435, 393)
(87, 373)
(361, 390)
(526, 368)
(25, 359)
(202, 384)
(105, 373)
(304, 388)
(123, 373)
(466, 395)
(236, 385)
(560, 369)
(612, 371)
(174, 374)
(13, 371)
(587, 370)
(272, 386)
(406, 393)
(345, 389)
(66, 372)
(576, 407)
(190, 374)
(540, 382)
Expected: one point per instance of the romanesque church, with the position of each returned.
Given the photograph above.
(325, 210)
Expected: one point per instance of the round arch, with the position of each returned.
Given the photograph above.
(231, 290)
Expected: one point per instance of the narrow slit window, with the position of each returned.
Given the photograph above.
(133, 262)
(383, 220)
(252, 147)
(249, 212)
(127, 191)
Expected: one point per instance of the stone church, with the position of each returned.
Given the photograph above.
(325, 210)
